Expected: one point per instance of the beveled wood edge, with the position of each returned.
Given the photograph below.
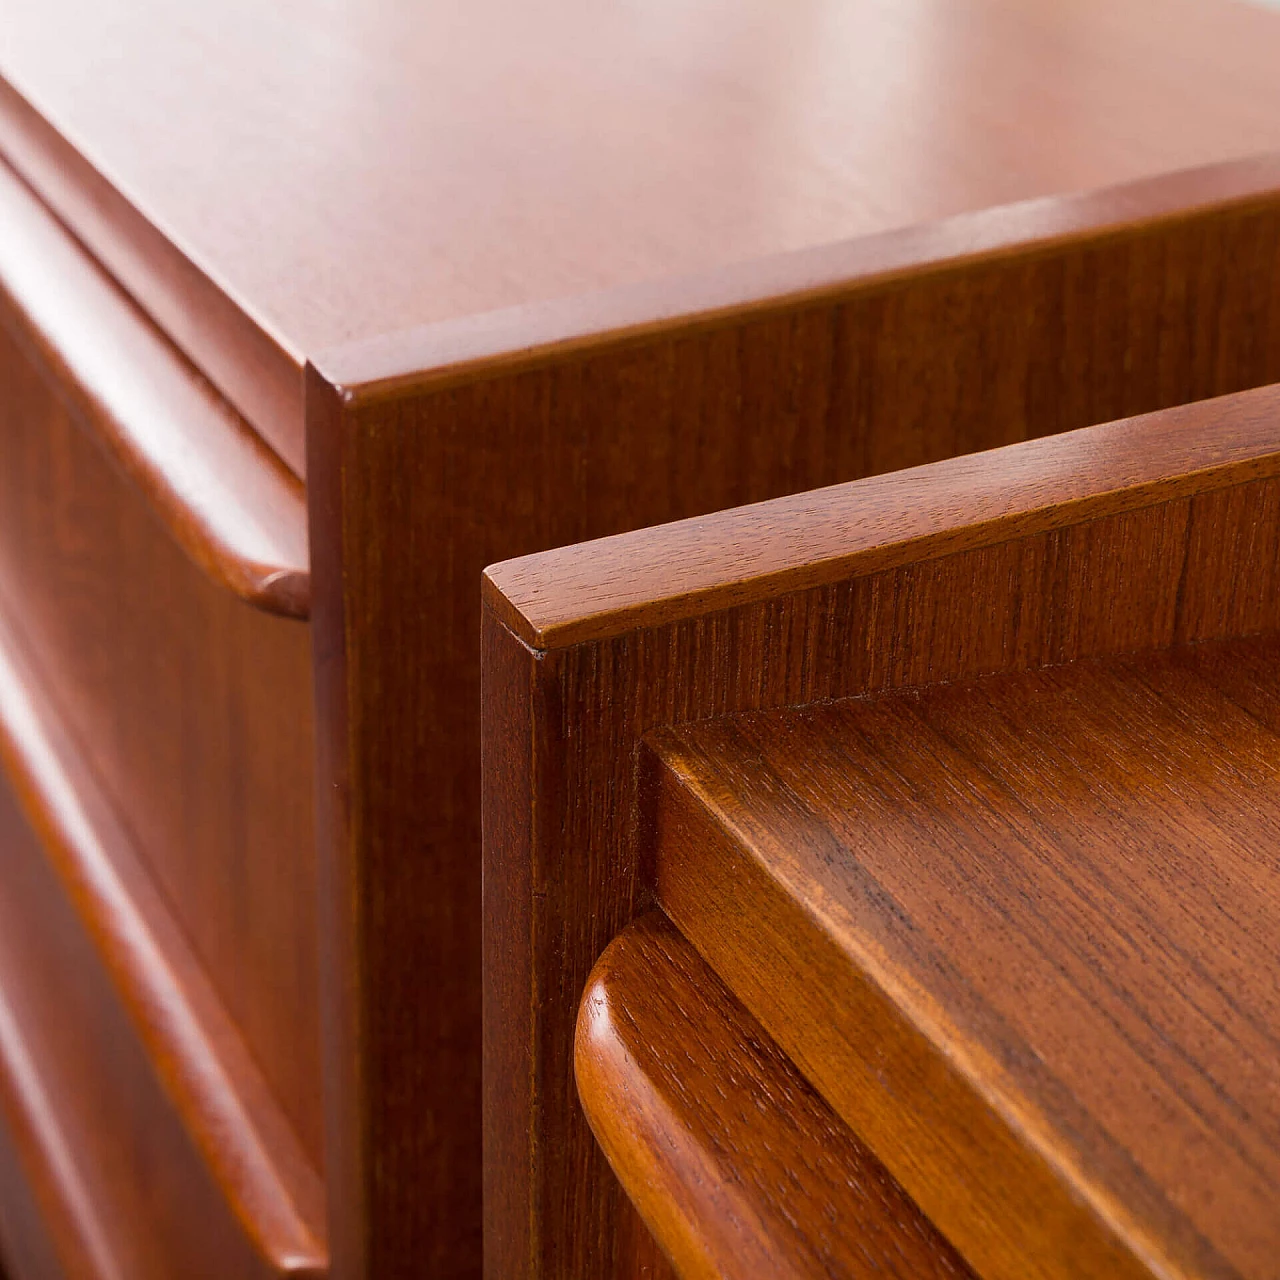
(228, 502)
(434, 356)
(599, 589)
(709, 1220)
(200, 1060)
(48, 1164)
(233, 346)
(935, 1093)
(257, 371)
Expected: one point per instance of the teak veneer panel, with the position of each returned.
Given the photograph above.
(1150, 563)
(740, 1168)
(182, 1161)
(193, 707)
(435, 162)
(416, 482)
(48, 1227)
(227, 501)
(1061, 888)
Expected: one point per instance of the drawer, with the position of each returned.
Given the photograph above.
(193, 708)
(192, 705)
(135, 1115)
(153, 593)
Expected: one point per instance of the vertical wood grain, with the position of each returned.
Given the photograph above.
(415, 488)
(1131, 581)
(194, 708)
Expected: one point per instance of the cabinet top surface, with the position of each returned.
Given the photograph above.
(349, 169)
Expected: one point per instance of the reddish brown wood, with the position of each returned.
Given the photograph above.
(461, 173)
(194, 709)
(440, 163)
(567, 830)
(180, 1160)
(415, 482)
(225, 500)
(690, 568)
(1021, 936)
(739, 1166)
(48, 1229)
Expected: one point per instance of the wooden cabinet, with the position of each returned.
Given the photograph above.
(953, 793)
(308, 313)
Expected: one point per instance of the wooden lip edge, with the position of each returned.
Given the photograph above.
(597, 1046)
(228, 502)
(209, 1078)
(556, 599)
(252, 366)
(47, 1160)
(610, 1088)
(437, 355)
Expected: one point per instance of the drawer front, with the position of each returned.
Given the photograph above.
(192, 708)
(111, 1180)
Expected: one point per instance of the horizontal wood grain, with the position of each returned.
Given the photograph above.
(193, 708)
(1030, 920)
(740, 1168)
(419, 483)
(224, 498)
(978, 243)
(569, 820)
(188, 1162)
(428, 163)
(685, 569)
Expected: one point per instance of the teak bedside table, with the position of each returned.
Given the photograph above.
(957, 792)
(307, 313)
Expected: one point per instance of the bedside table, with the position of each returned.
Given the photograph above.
(306, 315)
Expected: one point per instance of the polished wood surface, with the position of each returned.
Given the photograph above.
(417, 482)
(570, 819)
(192, 707)
(174, 1157)
(224, 498)
(532, 261)
(739, 1166)
(658, 576)
(1062, 884)
(436, 162)
(48, 1228)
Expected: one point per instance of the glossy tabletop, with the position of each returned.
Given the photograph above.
(352, 168)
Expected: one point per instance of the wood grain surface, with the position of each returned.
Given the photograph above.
(186, 1163)
(48, 1228)
(568, 831)
(1060, 887)
(740, 1168)
(664, 574)
(193, 707)
(674, 422)
(434, 162)
(228, 502)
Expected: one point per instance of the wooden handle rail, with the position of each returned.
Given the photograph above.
(737, 1166)
(226, 499)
